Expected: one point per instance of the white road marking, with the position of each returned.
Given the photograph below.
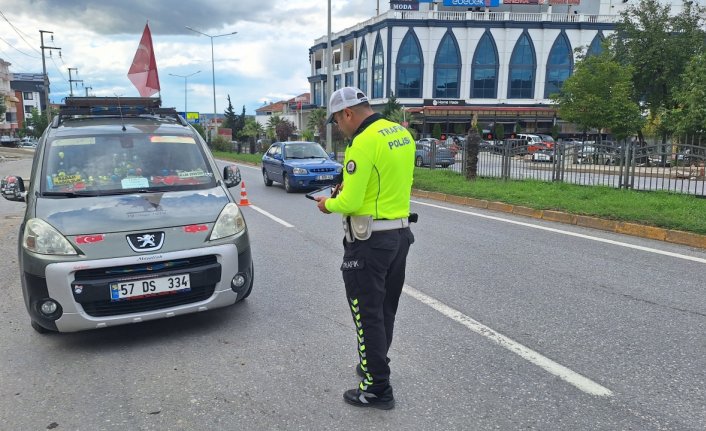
(564, 232)
(583, 383)
(275, 218)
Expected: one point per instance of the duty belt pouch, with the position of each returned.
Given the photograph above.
(347, 231)
(362, 227)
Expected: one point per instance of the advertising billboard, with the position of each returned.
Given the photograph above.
(521, 2)
(471, 3)
(191, 117)
(404, 4)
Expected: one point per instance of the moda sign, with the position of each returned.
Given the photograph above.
(404, 4)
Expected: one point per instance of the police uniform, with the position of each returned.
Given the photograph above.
(377, 179)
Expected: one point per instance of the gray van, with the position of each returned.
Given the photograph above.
(128, 219)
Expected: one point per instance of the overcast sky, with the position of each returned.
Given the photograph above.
(266, 61)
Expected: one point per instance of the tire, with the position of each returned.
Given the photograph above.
(39, 328)
(287, 187)
(268, 181)
(252, 281)
(418, 162)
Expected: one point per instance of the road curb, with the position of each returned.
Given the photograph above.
(633, 229)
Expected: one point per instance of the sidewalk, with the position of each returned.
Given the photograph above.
(642, 231)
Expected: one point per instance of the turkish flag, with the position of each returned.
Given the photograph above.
(143, 72)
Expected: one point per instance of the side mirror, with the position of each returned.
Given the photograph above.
(231, 176)
(277, 157)
(13, 188)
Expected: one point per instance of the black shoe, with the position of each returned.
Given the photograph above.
(358, 398)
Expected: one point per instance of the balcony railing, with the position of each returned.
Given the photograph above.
(477, 16)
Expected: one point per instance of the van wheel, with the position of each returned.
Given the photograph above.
(268, 181)
(418, 162)
(287, 187)
(39, 328)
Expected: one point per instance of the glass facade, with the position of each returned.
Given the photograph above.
(484, 81)
(378, 69)
(447, 68)
(523, 66)
(363, 68)
(348, 79)
(559, 65)
(595, 48)
(409, 68)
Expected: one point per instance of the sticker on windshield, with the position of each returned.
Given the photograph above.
(65, 180)
(73, 141)
(172, 139)
(134, 183)
(191, 174)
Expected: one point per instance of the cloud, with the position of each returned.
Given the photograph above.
(267, 59)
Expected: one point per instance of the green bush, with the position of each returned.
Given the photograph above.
(221, 143)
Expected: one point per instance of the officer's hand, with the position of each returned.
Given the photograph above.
(321, 203)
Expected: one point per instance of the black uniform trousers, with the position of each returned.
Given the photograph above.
(373, 273)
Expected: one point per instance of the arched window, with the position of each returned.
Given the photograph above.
(447, 68)
(559, 65)
(363, 68)
(596, 48)
(409, 68)
(484, 75)
(378, 69)
(523, 65)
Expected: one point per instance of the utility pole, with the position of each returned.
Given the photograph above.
(88, 88)
(44, 68)
(329, 83)
(71, 81)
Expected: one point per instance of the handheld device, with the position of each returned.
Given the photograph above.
(324, 191)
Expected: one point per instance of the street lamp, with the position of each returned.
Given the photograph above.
(186, 111)
(213, 69)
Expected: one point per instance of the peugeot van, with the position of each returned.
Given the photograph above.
(128, 219)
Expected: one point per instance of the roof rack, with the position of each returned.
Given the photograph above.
(113, 106)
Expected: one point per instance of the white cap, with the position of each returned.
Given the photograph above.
(345, 98)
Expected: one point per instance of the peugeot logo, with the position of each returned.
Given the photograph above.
(146, 241)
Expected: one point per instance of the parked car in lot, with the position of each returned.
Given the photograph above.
(127, 219)
(300, 165)
(429, 149)
(28, 142)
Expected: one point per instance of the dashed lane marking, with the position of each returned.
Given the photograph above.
(273, 217)
(583, 383)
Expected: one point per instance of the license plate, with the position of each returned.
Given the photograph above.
(132, 289)
(324, 177)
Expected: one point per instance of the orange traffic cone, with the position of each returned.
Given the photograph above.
(243, 195)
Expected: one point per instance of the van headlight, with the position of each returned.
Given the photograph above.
(299, 171)
(41, 237)
(230, 222)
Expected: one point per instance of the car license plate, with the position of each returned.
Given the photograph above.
(324, 177)
(131, 289)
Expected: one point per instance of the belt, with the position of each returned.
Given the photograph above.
(398, 223)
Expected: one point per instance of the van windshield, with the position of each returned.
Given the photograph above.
(104, 164)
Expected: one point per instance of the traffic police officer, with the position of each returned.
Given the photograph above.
(374, 200)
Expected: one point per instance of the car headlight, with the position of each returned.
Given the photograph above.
(230, 222)
(299, 171)
(339, 169)
(41, 237)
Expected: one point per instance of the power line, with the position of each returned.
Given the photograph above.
(19, 33)
(16, 49)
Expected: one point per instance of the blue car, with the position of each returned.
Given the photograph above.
(299, 166)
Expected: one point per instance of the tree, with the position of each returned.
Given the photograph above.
(436, 131)
(317, 123)
(251, 130)
(600, 94)
(239, 123)
(499, 131)
(284, 129)
(689, 115)
(658, 47)
(231, 119)
(37, 123)
(199, 128)
(391, 107)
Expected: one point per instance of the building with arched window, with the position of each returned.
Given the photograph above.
(446, 63)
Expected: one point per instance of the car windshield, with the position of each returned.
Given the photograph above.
(304, 150)
(125, 163)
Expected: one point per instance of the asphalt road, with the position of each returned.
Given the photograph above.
(506, 323)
